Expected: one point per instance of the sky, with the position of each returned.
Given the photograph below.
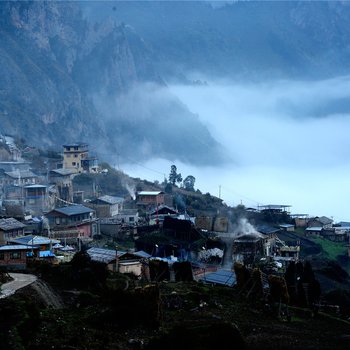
(286, 142)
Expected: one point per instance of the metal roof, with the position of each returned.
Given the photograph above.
(149, 193)
(274, 206)
(20, 174)
(34, 240)
(222, 277)
(63, 171)
(10, 224)
(314, 229)
(142, 254)
(109, 199)
(286, 225)
(16, 247)
(266, 229)
(73, 210)
(104, 255)
(35, 186)
(75, 144)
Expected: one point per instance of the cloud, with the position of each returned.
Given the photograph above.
(289, 141)
(149, 121)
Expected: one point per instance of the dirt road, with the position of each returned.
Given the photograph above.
(20, 280)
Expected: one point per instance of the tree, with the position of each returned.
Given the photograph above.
(174, 176)
(189, 183)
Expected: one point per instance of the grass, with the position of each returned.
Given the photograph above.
(331, 250)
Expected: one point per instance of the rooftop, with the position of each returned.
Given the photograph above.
(149, 193)
(62, 172)
(103, 255)
(109, 200)
(10, 224)
(222, 277)
(20, 174)
(34, 240)
(73, 210)
(15, 247)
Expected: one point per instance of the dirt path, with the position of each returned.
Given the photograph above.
(20, 280)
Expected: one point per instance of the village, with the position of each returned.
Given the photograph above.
(44, 216)
(72, 225)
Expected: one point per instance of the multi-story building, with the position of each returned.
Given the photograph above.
(74, 221)
(76, 156)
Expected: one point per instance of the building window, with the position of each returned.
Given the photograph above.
(131, 219)
(2, 256)
(57, 221)
(74, 163)
(75, 156)
(68, 155)
(15, 255)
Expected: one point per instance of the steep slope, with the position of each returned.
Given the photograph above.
(241, 39)
(65, 79)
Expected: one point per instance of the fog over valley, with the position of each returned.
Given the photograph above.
(285, 142)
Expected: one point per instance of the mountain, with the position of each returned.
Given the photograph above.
(67, 79)
(239, 39)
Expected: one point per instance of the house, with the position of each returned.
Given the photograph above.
(76, 157)
(248, 247)
(300, 220)
(290, 252)
(269, 235)
(14, 256)
(287, 227)
(313, 231)
(10, 228)
(105, 256)
(42, 243)
(150, 198)
(106, 206)
(128, 216)
(36, 199)
(78, 220)
(62, 179)
(322, 221)
(18, 178)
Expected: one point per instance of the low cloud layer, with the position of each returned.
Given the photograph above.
(287, 142)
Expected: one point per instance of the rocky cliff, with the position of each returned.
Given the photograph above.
(66, 79)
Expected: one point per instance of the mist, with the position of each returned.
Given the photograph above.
(286, 141)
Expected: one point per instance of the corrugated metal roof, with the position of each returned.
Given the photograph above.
(142, 254)
(74, 210)
(63, 171)
(103, 255)
(20, 174)
(149, 193)
(314, 229)
(110, 199)
(16, 247)
(35, 186)
(34, 240)
(222, 277)
(10, 224)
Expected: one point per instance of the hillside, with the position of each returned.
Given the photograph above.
(66, 79)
